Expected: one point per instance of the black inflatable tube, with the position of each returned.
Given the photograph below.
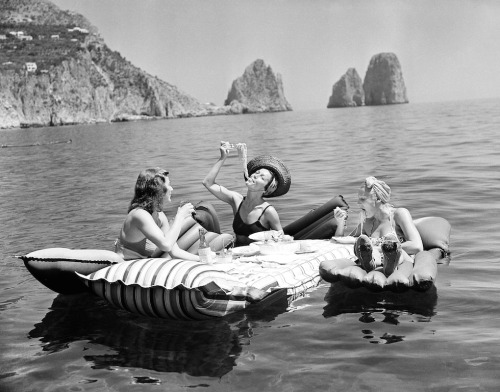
(318, 223)
(207, 217)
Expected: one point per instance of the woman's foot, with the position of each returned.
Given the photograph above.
(391, 248)
(364, 251)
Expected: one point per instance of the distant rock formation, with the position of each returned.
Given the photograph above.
(384, 84)
(257, 90)
(78, 79)
(348, 91)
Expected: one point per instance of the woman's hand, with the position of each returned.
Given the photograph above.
(340, 215)
(225, 147)
(185, 210)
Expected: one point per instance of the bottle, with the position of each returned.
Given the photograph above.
(345, 221)
(204, 250)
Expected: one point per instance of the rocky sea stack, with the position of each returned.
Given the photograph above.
(55, 70)
(258, 90)
(384, 84)
(348, 91)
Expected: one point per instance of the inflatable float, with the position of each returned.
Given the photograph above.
(435, 233)
(319, 223)
(181, 289)
(55, 267)
(188, 290)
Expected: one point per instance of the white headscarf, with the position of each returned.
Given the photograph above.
(379, 188)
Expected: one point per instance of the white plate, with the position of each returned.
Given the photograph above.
(344, 240)
(301, 252)
(249, 250)
(268, 236)
(263, 235)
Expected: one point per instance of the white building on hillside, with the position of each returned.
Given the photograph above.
(30, 67)
(83, 31)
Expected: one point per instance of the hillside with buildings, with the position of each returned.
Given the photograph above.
(55, 69)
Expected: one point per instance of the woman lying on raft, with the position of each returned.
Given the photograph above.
(386, 236)
(146, 231)
(267, 177)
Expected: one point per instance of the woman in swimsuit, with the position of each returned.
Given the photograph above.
(267, 177)
(146, 231)
(385, 235)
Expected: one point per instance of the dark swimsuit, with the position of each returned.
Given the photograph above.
(243, 230)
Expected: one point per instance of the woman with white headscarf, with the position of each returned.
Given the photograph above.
(386, 235)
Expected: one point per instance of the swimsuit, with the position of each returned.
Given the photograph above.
(378, 255)
(379, 240)
(142, 249)
(243, 230)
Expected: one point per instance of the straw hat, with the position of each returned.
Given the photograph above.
(279, 169)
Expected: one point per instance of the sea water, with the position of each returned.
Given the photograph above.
(440, 159)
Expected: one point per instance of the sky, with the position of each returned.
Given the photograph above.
(448, 49)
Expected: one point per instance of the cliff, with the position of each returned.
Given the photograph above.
(348, 91)
(384, 84)
(76, 77)
(258, 90)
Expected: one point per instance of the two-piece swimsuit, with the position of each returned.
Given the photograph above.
(377, 242)
(142, 249)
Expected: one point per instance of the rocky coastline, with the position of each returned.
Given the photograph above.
(55, 69)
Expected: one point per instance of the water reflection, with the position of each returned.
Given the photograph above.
(206, 348)
(342, 299)
(384, 307)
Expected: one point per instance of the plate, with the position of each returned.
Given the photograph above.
(249, 250)
(269, 235)
(301, 252)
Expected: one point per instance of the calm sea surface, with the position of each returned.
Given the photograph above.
(439, 159)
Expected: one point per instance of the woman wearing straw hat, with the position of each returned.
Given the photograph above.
(386, 235)
(267, 177)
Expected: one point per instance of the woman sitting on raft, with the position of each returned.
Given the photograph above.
(267, 177)
(386, 236)
(146, 231)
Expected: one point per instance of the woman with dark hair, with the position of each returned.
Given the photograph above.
(267, 177)
(146, 231)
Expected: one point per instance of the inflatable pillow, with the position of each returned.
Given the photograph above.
(206, 216)
(317, 224)
(171, 289)
(435, 232)
(55, 267)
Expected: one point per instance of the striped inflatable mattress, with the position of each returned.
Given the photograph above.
(181, 289)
